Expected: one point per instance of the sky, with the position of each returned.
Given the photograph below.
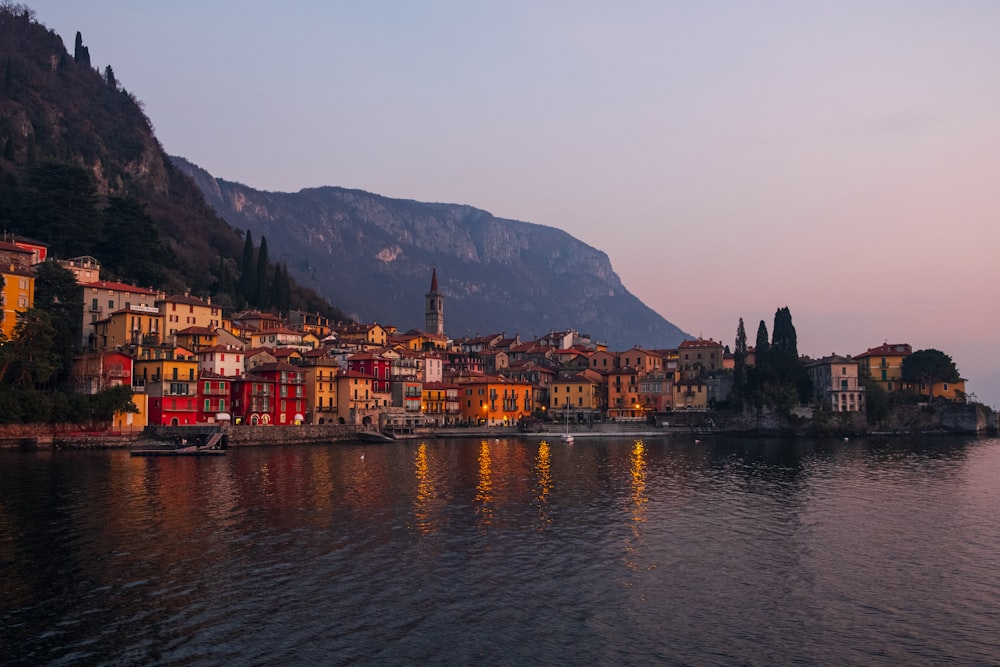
(839, 158)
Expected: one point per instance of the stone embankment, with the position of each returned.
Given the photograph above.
(934, 418)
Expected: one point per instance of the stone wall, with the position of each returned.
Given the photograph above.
(245, 435)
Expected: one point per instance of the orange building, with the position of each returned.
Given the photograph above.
(494, 400)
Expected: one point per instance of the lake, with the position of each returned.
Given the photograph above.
(507, 551)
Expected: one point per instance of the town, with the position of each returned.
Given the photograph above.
(188, 363)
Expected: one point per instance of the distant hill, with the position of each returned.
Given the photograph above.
(81, 170)
(373, 256)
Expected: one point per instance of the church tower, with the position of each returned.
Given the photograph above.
(434, 308)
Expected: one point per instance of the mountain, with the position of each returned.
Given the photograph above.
(373, 256)
(82, 170)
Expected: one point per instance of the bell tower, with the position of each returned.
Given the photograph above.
(434, 308)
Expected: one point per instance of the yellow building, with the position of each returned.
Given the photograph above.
(362, 335)
(493, 400)
(690, 394)
(18, 296)
(320, 373)
(580, 397)
(884, 364)
(135, 326)
(183, 311)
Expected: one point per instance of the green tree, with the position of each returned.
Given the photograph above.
(929, 366)
(262, 297)
(247, 286)
(740, 362)
(282, 289)
(131, 246)
(784, 346)
(762, 358)
(60, 202)
(28, 358)
(59, 295)
(109, 77)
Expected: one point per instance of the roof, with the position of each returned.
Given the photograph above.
(887, 350)
(10, 247)
(700, 343)
(196, 331)
(120, 287)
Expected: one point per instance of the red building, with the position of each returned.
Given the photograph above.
(374, 365)
(213, 397)
(274, 393)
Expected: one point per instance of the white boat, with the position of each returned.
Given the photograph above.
(567, 437)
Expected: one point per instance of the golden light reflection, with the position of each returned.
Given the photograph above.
(484, 490)
(543, 469)
(639, 500)
(422, 504)
(638, 471)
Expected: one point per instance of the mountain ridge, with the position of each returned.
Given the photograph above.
(496, 274)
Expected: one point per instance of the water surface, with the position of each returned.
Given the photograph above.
(507, 551)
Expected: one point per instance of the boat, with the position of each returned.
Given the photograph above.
(567, 437)
(213, 446)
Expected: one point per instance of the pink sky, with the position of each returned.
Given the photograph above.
(837, 158)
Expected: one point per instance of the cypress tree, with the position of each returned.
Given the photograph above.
(784, 347)
(81, 53)
(109, 76)
(740, 358)
(263, 295)
(247, 285)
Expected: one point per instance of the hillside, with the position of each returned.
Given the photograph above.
(373, 256)
(81, 170)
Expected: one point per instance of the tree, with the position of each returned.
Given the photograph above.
(131, 245)
(109, 77)
(784, 351)
(60, 202)
(28, 358)
(81, 53)
(247, 285)
(930, 366)
(59, 295)
(740, 360)
(762, 357)
(262, 297)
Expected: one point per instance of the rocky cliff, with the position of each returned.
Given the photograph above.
(373, 256)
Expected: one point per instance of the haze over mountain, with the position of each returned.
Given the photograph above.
(373, 257)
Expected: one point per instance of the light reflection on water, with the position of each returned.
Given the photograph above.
(506, 551)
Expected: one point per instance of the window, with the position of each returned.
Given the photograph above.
(222, 405)
(208, 405)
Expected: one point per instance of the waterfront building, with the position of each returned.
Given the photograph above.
(656, 392)
(690, 394)
(289, 386)
(884, 364)
(440, 402)
(169, 374)
(835, 384)
(214, 396)
(493, 400)
(623, 394)
(320, 373)
(579, 397)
